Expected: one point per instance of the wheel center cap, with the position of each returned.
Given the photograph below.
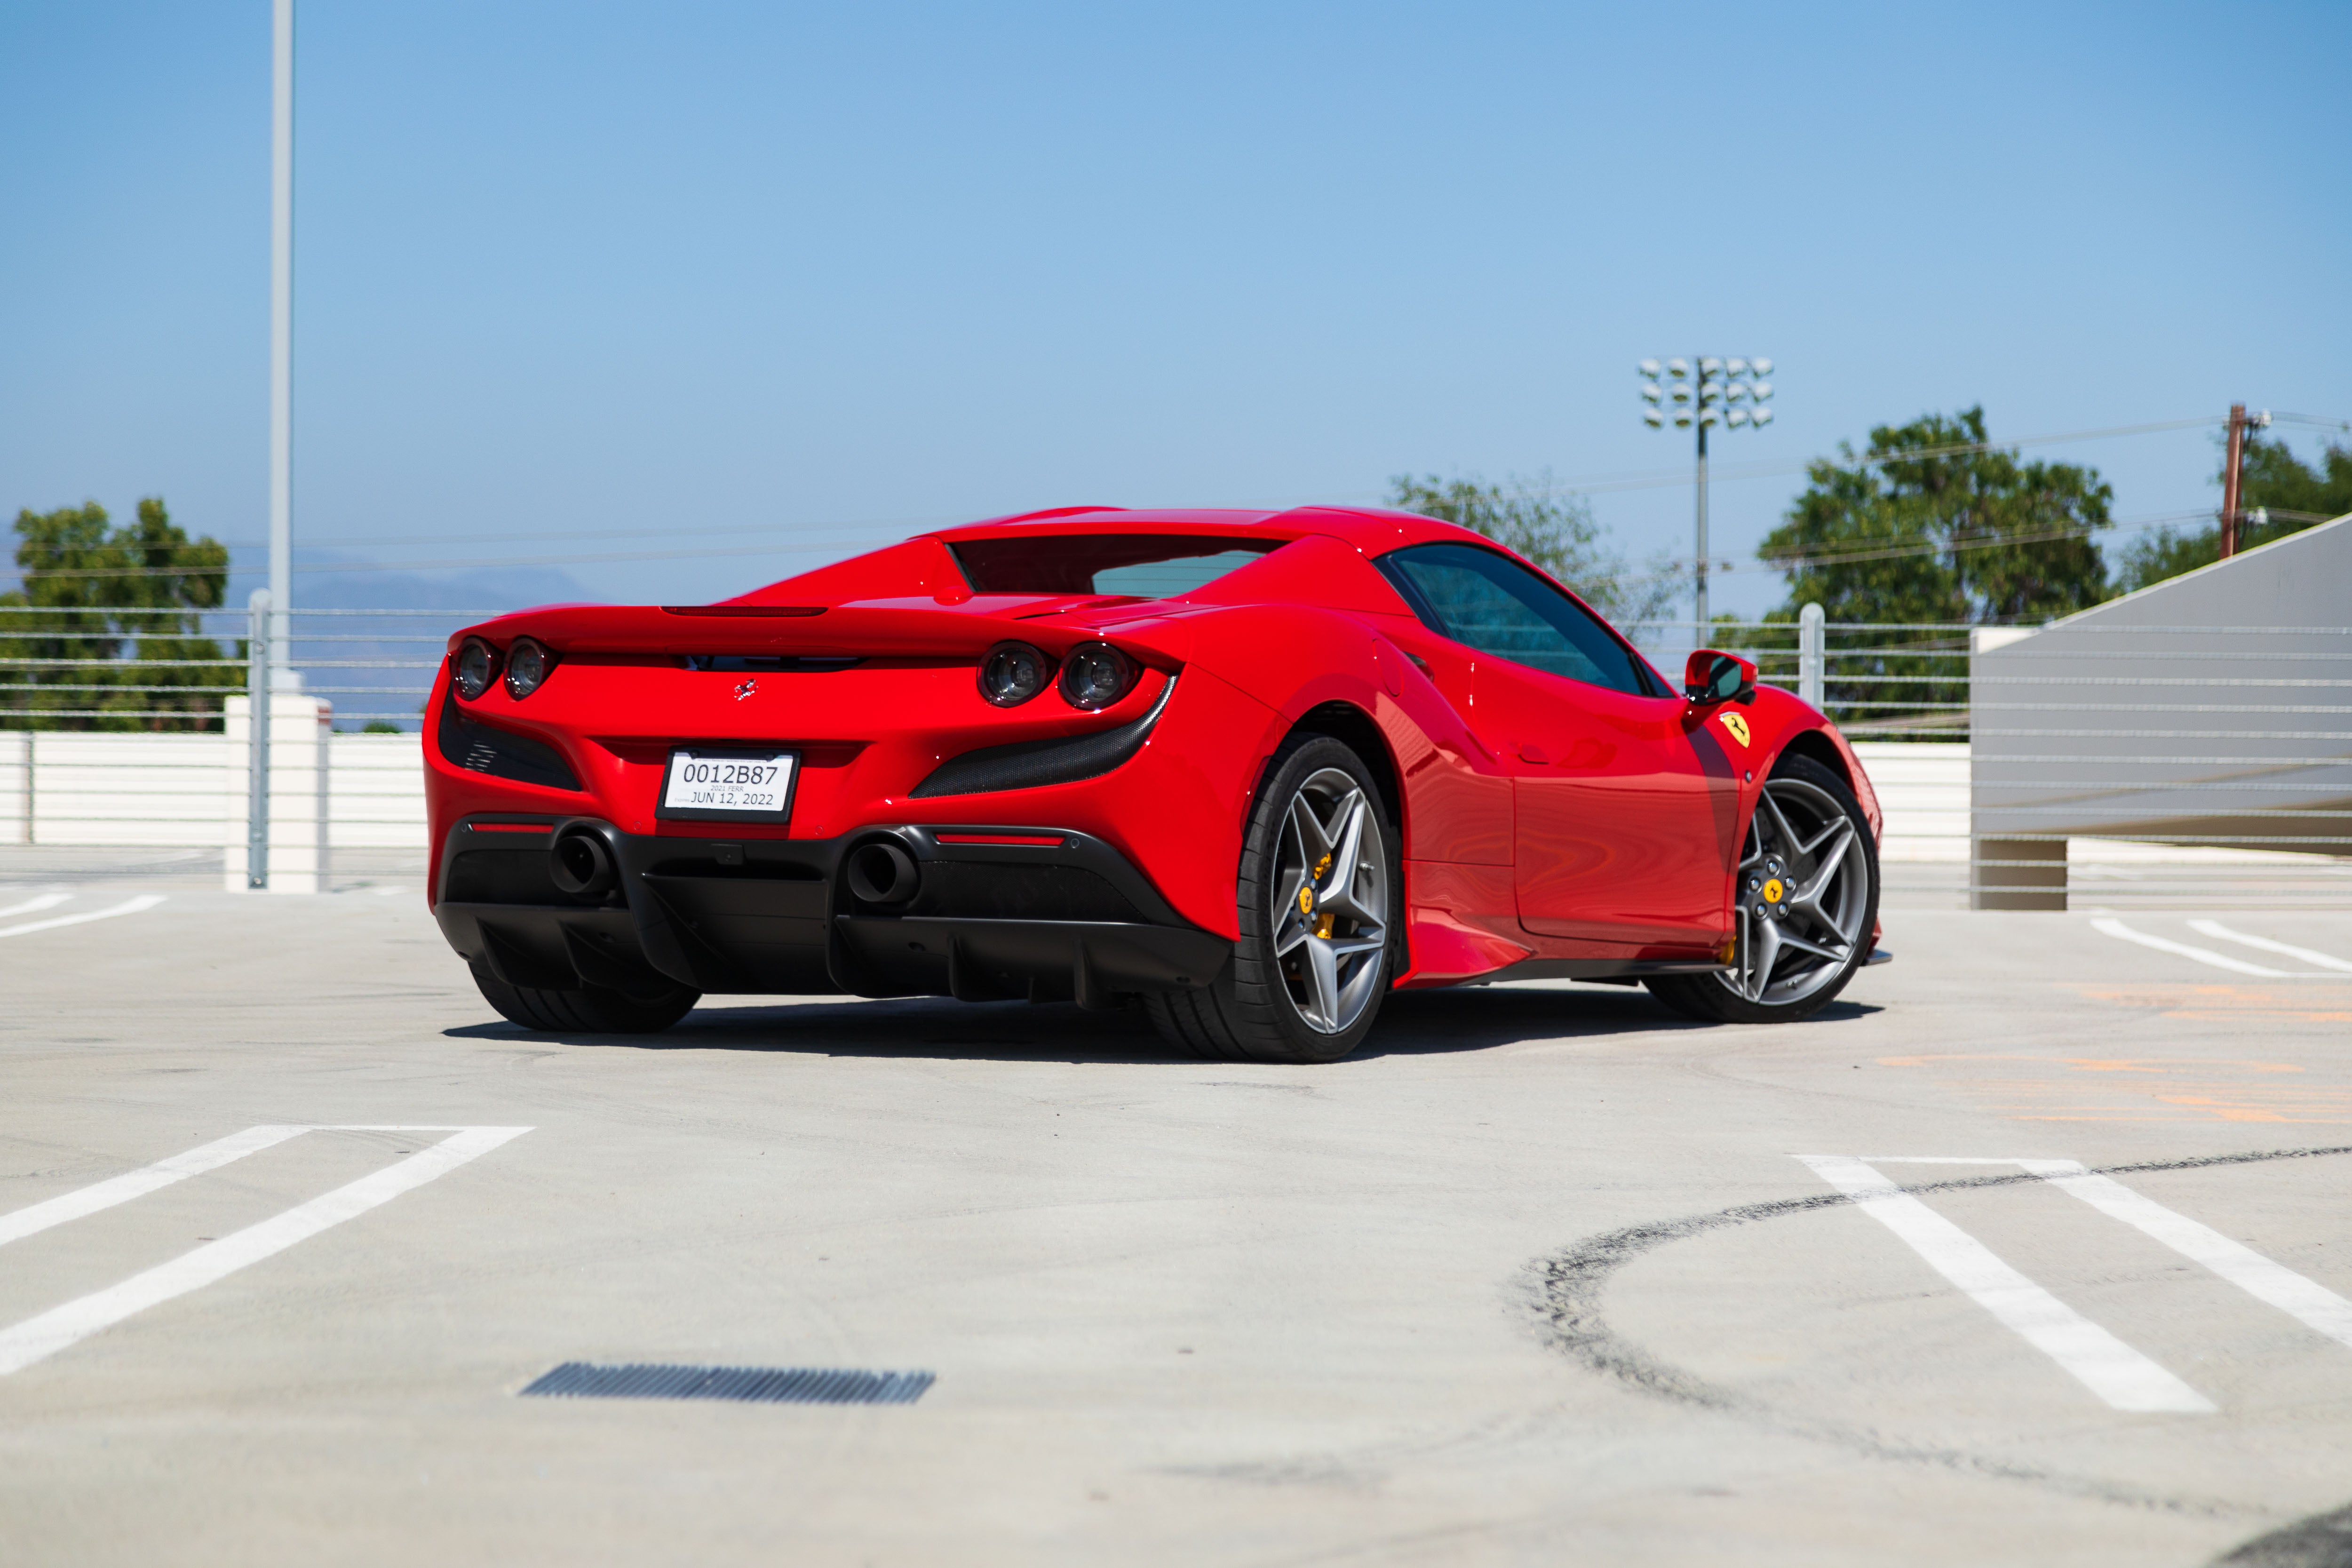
(1774, 891)
(1307, 899)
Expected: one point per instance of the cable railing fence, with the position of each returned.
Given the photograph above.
(2181, 762)
(169, 730)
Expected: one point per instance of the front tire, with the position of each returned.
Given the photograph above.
(1808, 902)
(1317, 897)
(590, 1010)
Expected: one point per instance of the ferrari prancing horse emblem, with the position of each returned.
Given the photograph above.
(746, 690)
(1738, 725)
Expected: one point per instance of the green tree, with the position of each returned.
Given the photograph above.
(1557, 533)
(1914, 531)
(105, 632)
(2292, 494)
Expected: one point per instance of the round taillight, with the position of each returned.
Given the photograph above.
(1013, 672)
(1097, 675)
(527, 666)
(477, 663)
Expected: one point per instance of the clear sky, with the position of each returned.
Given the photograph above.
(615, 278)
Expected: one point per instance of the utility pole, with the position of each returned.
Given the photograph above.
(2230, 473)
(1698, 580)
(281, 342)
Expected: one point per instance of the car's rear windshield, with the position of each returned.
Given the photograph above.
(1141, 566)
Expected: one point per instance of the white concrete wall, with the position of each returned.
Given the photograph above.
(114, 789)
(190, 790)
(1923, 788)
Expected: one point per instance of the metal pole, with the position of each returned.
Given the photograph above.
(1698, 594)
(257, 687)
(1812, 655)
(281, 332)
(2230, 479)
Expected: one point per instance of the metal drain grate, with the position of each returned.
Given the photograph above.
(772, 1384)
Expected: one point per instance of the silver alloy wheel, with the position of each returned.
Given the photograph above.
(1805, 892)
(1331, 902)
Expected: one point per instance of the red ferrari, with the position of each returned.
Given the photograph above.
(1247, 769)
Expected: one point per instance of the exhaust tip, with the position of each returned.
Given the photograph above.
(581, 865)
(882, 873)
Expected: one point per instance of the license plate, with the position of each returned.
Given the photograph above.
(729, 786)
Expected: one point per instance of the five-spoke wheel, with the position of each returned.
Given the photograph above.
(1807, 892)
(1315, 902)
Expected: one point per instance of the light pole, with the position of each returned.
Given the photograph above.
(1727, 392)
(281, 342)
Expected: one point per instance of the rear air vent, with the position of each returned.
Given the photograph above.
(501, 753)
(1031, 765)
(763, 663)
(756, 1384)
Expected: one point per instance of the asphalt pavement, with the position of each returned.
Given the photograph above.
(2031, 1249)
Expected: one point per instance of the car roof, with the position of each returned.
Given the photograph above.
(1372, 530)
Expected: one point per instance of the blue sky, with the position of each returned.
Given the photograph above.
(613, 278)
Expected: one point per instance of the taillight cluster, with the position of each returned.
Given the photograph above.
(1093, 675)
(523, 668)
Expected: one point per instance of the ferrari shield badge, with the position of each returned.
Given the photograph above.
(1737, 724)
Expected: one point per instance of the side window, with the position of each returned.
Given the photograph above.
(1495, 605)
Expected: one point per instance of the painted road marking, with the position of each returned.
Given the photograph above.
(138, 1184)
(127, 907)
(37, 1338)
(2305, 1300)
(45, 901)
(2288, 949)
(2201, 954)
(2105, 1365)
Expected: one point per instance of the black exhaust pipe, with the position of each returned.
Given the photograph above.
(882, 873)
(581, 865)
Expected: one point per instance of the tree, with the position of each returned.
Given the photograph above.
(2292, 495)
(1971, 534)
(106, 631)
(1557, 533)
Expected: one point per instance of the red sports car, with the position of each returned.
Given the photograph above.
(1249, 770)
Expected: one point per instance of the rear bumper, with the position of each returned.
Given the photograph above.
(1051, 915)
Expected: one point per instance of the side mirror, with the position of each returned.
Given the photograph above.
(1711, 677)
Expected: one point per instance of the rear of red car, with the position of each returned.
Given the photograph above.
(813, 790)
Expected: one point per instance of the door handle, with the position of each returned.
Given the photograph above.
(1531, 752)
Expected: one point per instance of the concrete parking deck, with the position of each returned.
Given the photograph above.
(1538, 1277)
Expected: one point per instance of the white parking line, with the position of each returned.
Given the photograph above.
(2201, 954)
(2288, 950)
(127, 907)
(39, 1337)
(138, 1184)
(2305, 1300)
(45, 901)
(2105, 1365)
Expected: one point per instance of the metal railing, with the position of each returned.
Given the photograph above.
(130, 726)
(2199, 764)
(1882, 679)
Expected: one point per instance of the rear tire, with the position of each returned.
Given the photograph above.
(591, 1010)
(1318, 926)
(1808, 835)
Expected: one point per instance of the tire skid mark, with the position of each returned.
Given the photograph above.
(1564, 1294)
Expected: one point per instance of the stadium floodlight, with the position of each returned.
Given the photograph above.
(1729, 392)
